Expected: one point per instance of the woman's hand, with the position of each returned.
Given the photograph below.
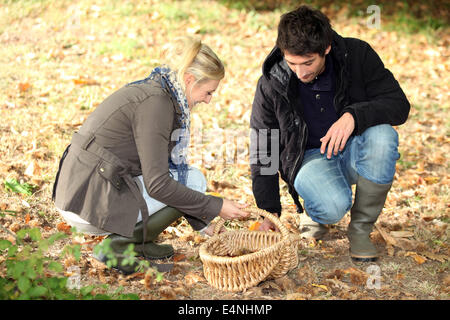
(232, 210)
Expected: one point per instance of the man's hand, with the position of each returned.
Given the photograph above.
(337, 135)
(231, 210)
(210, 229)
(267, 225)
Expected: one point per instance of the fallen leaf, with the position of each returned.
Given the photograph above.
(335, 283)
(64, 227)
(402, 234)
(154, 275)
(416, 257)
(419, 259)
(78, 239)
(399, 276)
(14, 227)
(390, 251)
(409, 245)
(179, 257)
(69, 261)
(432, 180)
(215, 194)
(192, 278)
(34, 223)
(446, 280)
(285, 283)
(198, 239)
(24, 86)
(167, 293)
(357, 276)
(296, 296)
(320, 286)
(271, 285)
(100, 266)
(306, 274)
(135, 275)
(253, 292)
(434, 256)
(123, 283)
(102, 277)
(254, 226)
(173, 230)
(85, 82)
(387, 238)
(181, 291)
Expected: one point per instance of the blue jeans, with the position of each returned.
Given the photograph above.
(325, 184)
(195, 181)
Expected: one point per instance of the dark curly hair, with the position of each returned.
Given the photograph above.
(304, 31)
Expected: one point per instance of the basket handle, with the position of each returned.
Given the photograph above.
(256, 211)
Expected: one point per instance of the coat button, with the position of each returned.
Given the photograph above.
(204, 217)
(322, 109)
(102, 170)
(317, 96)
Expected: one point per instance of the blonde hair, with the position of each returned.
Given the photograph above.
(190, 55)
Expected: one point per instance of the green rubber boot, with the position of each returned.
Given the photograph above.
(369, 202)
(117, 246)
(156, 223)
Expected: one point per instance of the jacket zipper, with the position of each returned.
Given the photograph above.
(300, 156)
(305, 132)
(339, 92)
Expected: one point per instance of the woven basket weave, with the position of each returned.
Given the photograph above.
(237, 260)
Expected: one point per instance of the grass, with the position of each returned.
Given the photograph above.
(128, 47)
(50, 44)
(406, 16)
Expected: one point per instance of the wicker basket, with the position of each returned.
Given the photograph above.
(237, 260)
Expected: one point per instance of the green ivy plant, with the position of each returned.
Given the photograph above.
(129, 256)
(30, 274)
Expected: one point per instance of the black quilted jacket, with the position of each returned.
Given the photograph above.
(364, 87)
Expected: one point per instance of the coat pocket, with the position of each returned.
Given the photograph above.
(111, 173)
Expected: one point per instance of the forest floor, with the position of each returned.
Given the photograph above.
(60, 59)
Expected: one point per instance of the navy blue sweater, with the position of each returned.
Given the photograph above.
(318, 106)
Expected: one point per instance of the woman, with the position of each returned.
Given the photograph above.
(125, 172)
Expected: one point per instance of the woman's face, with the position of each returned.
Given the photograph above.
(197, 92)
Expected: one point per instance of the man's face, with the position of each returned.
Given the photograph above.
(306, 67)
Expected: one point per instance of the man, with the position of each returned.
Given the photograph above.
(326, 105)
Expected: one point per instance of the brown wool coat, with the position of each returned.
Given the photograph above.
(128, 134)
